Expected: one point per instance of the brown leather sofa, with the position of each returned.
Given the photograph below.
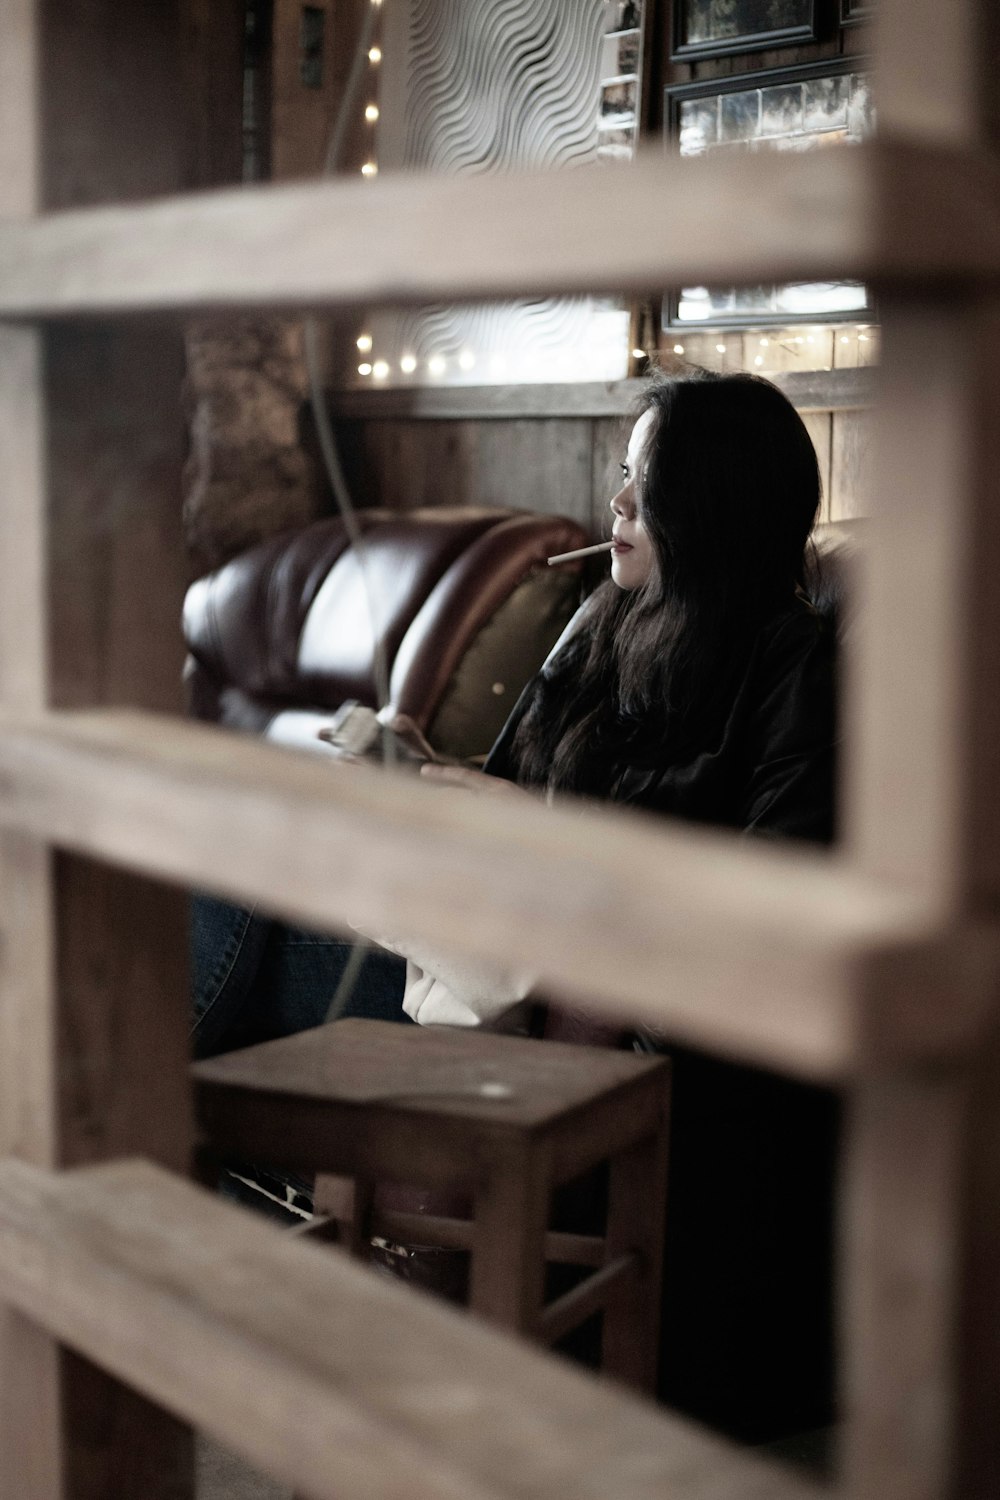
(465, 609)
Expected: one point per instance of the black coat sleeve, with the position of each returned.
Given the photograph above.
(791, 735)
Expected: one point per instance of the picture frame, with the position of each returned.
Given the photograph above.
(856, 12)
(693, 36)
(801, 107)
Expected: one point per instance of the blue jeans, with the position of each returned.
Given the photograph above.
(254, 978)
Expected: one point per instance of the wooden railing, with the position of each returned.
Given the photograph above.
(876, 967)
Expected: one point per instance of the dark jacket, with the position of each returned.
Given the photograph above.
(770, 767)
(747, 1339)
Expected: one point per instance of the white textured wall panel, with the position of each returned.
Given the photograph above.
(476, 86)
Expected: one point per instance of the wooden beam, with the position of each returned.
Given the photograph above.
(886, 213)
(808, 390)
(334, 1380)
(783, 956)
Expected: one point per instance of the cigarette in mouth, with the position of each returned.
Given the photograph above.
(562, 557)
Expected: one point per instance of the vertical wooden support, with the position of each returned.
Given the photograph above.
(637, 1206)
(899, 1210)
(507, 1278)
(92, 963)
(922, 1233)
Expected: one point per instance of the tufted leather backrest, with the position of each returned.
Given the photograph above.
(460, 599)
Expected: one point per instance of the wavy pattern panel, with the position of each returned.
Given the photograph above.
(493, 84)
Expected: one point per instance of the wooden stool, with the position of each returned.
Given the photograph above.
(509, 1119)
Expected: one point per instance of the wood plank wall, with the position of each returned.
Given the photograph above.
(557, 465)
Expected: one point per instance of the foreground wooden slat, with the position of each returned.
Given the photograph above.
(885, 212)
(327, 1376)
(779, 955)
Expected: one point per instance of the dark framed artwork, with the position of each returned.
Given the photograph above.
(854, 12)
(801, 108)
(708, 28)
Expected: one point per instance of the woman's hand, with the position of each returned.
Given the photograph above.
(472, 781)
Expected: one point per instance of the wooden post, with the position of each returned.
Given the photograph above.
(922, 1172)
(93, 972)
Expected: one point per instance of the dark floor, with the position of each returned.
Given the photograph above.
(223, 1476)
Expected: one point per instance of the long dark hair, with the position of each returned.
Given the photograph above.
(728, 493)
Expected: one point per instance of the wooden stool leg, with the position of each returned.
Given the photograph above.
(636, 1211)
(508, 1244)
(347, 1200)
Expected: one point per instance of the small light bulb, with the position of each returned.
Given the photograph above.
(678, 348)
(380, 369)
(638, 354)
(371, 111)
(370, 169)
(862, 338)
(364, 369)
(364, 342)
(758, 359)
(844, 339)
(798, 339)
(466, 360)
(720, 348)
(437, 364)
(764, 343)
(407, 364)
(810, 339)
(374, 54)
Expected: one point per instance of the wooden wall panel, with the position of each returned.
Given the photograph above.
(213, 64)
(544, 466)
(609, 439)
(537, 465)
(92, 964)
(557, 465)
(849, 465)
(819, 425)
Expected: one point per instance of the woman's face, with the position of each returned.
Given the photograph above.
(633, 559)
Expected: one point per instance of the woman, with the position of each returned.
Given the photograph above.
(697, 682)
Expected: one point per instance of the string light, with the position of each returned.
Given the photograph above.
(437, 364)
(407, 364)
(678, 348)
(466, 360)
(764, 343)
(638, 354)
(758, 360)
(379, 370)
(720, 348)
